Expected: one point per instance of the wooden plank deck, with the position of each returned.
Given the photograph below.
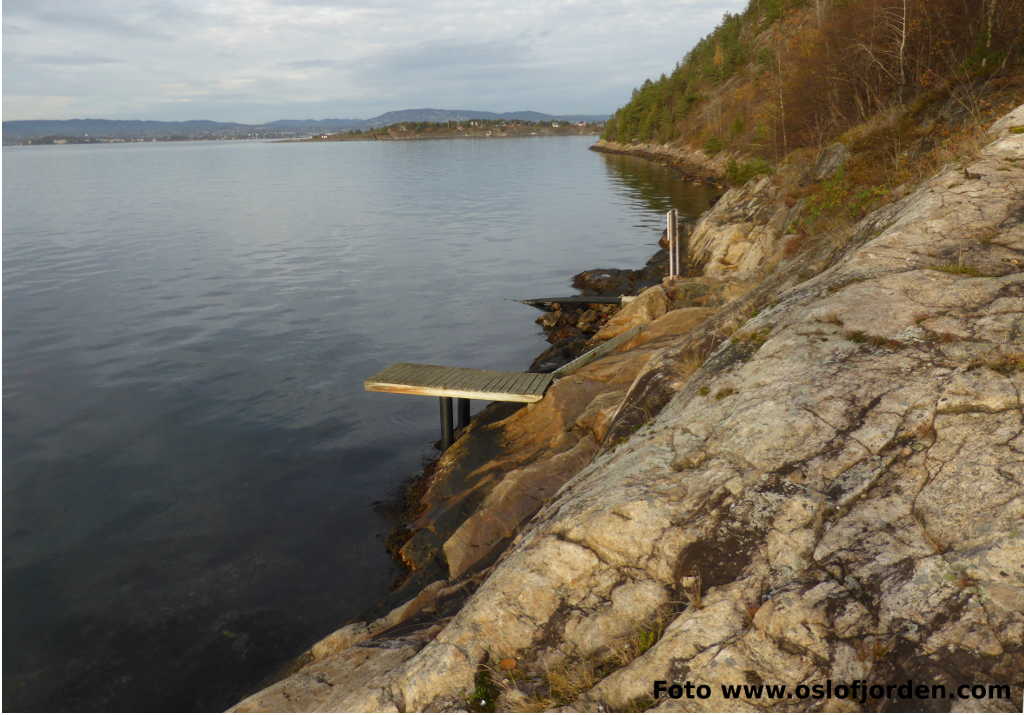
(573, 300)
(406, 378)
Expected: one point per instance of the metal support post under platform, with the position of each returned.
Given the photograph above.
(446, 423)
(447, 433)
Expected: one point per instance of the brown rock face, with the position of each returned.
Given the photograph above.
(649, 305)
(834, 491)
(669, 327)
(510, 503)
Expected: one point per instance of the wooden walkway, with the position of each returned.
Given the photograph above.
(407, 378)
(574, 300)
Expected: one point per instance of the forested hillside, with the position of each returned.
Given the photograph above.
(786, 74)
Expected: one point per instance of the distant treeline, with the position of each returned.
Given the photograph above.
(468, 128)
(784, 74)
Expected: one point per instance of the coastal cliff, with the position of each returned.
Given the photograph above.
(806, 467)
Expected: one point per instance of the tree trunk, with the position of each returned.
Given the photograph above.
(782, 106)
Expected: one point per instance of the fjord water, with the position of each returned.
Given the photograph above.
(192, 471)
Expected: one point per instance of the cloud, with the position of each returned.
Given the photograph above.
(434, 56)
(258, 60)
(77, 18)
(35, 106)
(313, 64)
(70, 60)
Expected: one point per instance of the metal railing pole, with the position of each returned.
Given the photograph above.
(671, 245)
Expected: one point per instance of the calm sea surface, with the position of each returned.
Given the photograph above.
(191, 468)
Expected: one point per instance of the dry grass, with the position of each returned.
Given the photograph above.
(958, 269)
(862, 338)
(725, 392)
(753, 338)
(641, 640)
(891, 151)
(879, 122)
(691, 362)
(563, 683)
(568, 681)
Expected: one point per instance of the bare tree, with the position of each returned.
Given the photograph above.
(779, 82)
(899, 27)
(889, 56)
(990, 11)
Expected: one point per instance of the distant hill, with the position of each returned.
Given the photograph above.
(19, 131)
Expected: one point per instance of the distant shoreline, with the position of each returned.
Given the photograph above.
(97, 131)
(314, 140)
(79, 141)
(473, 129)
(70, 141)
(343, 137)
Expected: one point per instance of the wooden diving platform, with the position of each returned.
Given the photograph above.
(465, 383)
(407, 378)
(461, 383)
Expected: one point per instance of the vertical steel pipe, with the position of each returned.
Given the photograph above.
(446, 422)
(677, 269)
(671, 245)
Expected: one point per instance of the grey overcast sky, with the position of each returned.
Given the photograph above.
(260, 60)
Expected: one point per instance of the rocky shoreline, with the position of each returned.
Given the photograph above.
(571, 329)
(694, 164)
(806, 466)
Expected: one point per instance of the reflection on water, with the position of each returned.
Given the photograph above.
(190, 462)
(645, 182)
